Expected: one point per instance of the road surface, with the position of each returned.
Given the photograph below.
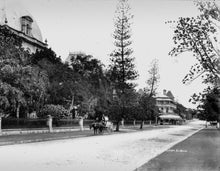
(122, 152)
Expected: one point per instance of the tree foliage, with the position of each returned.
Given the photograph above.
(122, 68)
(180, 110)
(198, 35)
(60, 76)
(153, 80)
(81, 82)
(96, 89)
(56, 111)
(148, 107)
(21, 84)
(147, 102)
(210, 106)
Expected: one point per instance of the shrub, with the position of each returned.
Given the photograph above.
(56, 111)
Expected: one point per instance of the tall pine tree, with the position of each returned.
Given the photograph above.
(122, 68)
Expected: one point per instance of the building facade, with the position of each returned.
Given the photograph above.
(167, 106)
(165, 103)
(16, 18)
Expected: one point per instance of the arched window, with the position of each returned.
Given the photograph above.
(28, 50)
(26, 25)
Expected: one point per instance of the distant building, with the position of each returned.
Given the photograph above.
(74, 55)
(14, 17)
(165, 102)
(167, 106)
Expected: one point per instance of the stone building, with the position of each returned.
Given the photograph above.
(16, 18)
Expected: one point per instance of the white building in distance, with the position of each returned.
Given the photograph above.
(167, 106)
(165, 102)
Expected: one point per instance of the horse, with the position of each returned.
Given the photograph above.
(97, 127)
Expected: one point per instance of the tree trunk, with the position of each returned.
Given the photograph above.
(156, 120)
(117, 126)
(18, 111)
(72, 103)
(142, 124)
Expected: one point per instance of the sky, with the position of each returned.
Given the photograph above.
(87, 26)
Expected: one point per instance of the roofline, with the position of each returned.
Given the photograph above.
(29, 39)
(160, 98)
(164, 96)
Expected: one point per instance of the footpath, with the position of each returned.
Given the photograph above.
(19, 136)
(200, 152)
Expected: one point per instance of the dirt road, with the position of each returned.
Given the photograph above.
(122, 152)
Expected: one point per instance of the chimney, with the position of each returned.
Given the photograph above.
(164, 92)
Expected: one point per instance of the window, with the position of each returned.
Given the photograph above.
(26, 23)
(28, 50)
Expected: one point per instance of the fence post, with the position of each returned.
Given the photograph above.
(81, 123)
(206, 124)
(217, 126)
(0, 125)
(122, 123)
(50, 123)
